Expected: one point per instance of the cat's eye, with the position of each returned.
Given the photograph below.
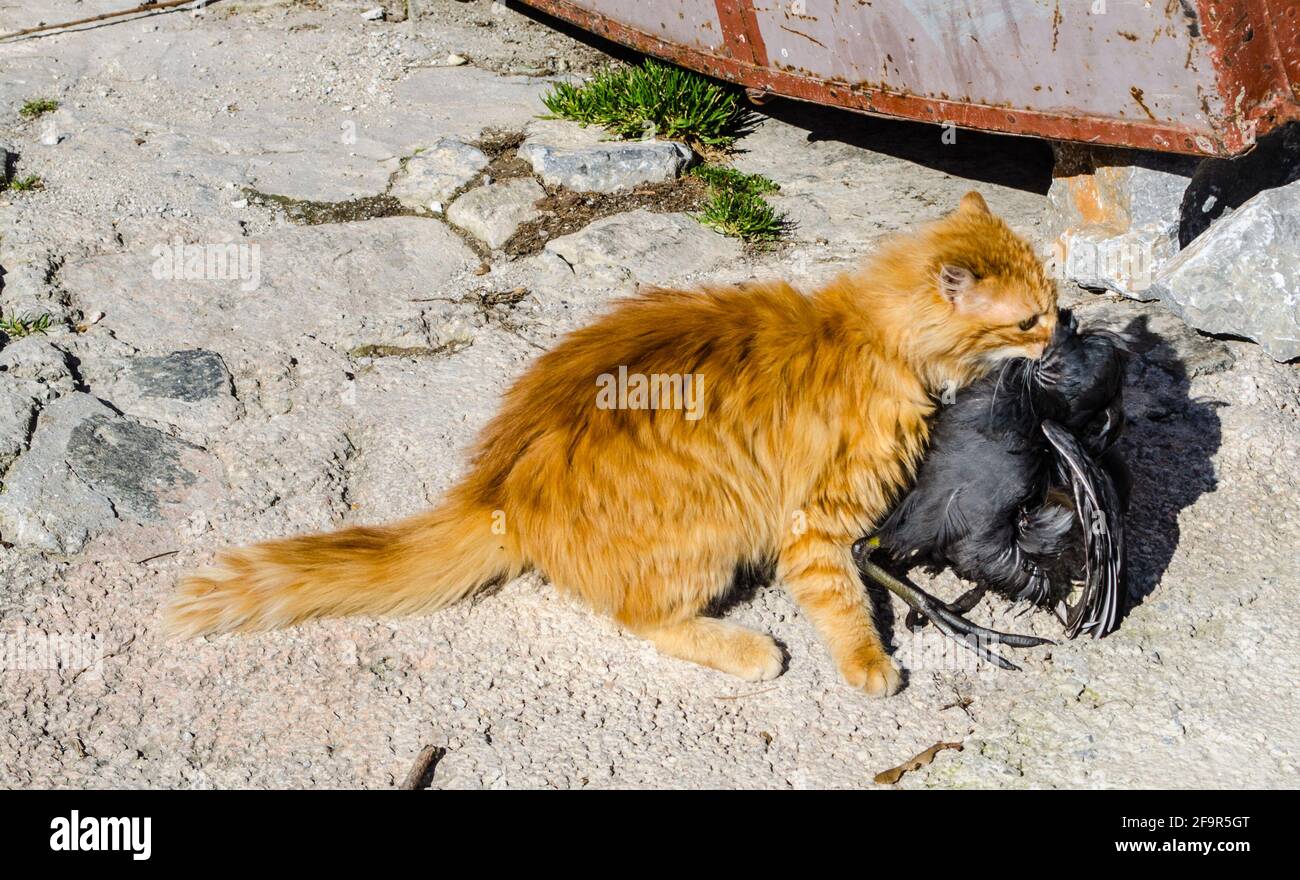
(1029, 323)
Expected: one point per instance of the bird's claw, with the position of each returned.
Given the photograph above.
(948, 620)
(963, 603)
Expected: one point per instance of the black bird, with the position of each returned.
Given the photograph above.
(1015, 462)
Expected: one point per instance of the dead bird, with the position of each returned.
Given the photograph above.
(1017, 461)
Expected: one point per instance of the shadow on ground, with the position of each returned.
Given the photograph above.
(1170, 450)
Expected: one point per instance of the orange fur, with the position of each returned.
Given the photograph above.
(814, 416)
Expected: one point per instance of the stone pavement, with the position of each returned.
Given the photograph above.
(293, 257)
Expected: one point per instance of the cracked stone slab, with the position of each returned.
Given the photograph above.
(1242, 275)
(433, 175)
(643, 246)
(492, 213)
(190, 390)
(87, 468)
(348, 285)
(585, 160)
(17, 409)
(42, 365)
(317, 175)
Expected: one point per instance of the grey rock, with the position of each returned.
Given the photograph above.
(435, 174)
(1242, 276)
(130, 464)
(25, 287)
(318, 175)
(564, 154)
(16, 411)
(1114, 228)
(492, 213)
(1220, 186)
(190, 390)
(189, 376)
(643, 246)
(45, 366)
(45, 505)
(88, 467)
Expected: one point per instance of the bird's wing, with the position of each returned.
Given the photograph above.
(1101, 513)
(953, 526)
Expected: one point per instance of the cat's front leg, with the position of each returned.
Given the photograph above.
(816, 564)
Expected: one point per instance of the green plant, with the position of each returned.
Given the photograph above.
(37, 107)
(17, 328)
(725, 179)
(742, 215)
(652, 99)
(22, 184)
(737, 207)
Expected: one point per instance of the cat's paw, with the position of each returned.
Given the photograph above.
(758, 658)
(872, 671)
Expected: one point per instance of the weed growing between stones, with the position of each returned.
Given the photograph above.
(653, 100)
(37, 107)
(21, 184)
(742, 215)
(17, 328)
(737, 207)
(656, 100)
(724, 179)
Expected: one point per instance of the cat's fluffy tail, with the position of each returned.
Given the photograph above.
(419, 564)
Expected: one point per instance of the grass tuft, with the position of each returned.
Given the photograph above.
(22, 184)
(656, 100)
(737, 207)
(37, 107)
(17, 328)
(725, 179)
(742, 215)
(652, 100)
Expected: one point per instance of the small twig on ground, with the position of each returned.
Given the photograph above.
(892, 775)
(422, 770)
(143, 7)
(750, 694)
(157, 556)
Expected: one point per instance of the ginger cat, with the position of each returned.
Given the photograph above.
(814, 417)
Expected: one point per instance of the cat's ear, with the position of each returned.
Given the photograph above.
(973, 203)
(956, 283)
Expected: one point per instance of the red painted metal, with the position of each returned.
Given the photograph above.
(1190, 76)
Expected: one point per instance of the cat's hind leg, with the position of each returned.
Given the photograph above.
(666, 607)
(719, 644)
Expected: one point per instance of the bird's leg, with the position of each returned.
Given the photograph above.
(950, 623)
(963, 603)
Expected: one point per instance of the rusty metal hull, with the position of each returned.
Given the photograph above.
(1190, 76)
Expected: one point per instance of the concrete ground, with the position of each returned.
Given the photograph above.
(341, 377)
